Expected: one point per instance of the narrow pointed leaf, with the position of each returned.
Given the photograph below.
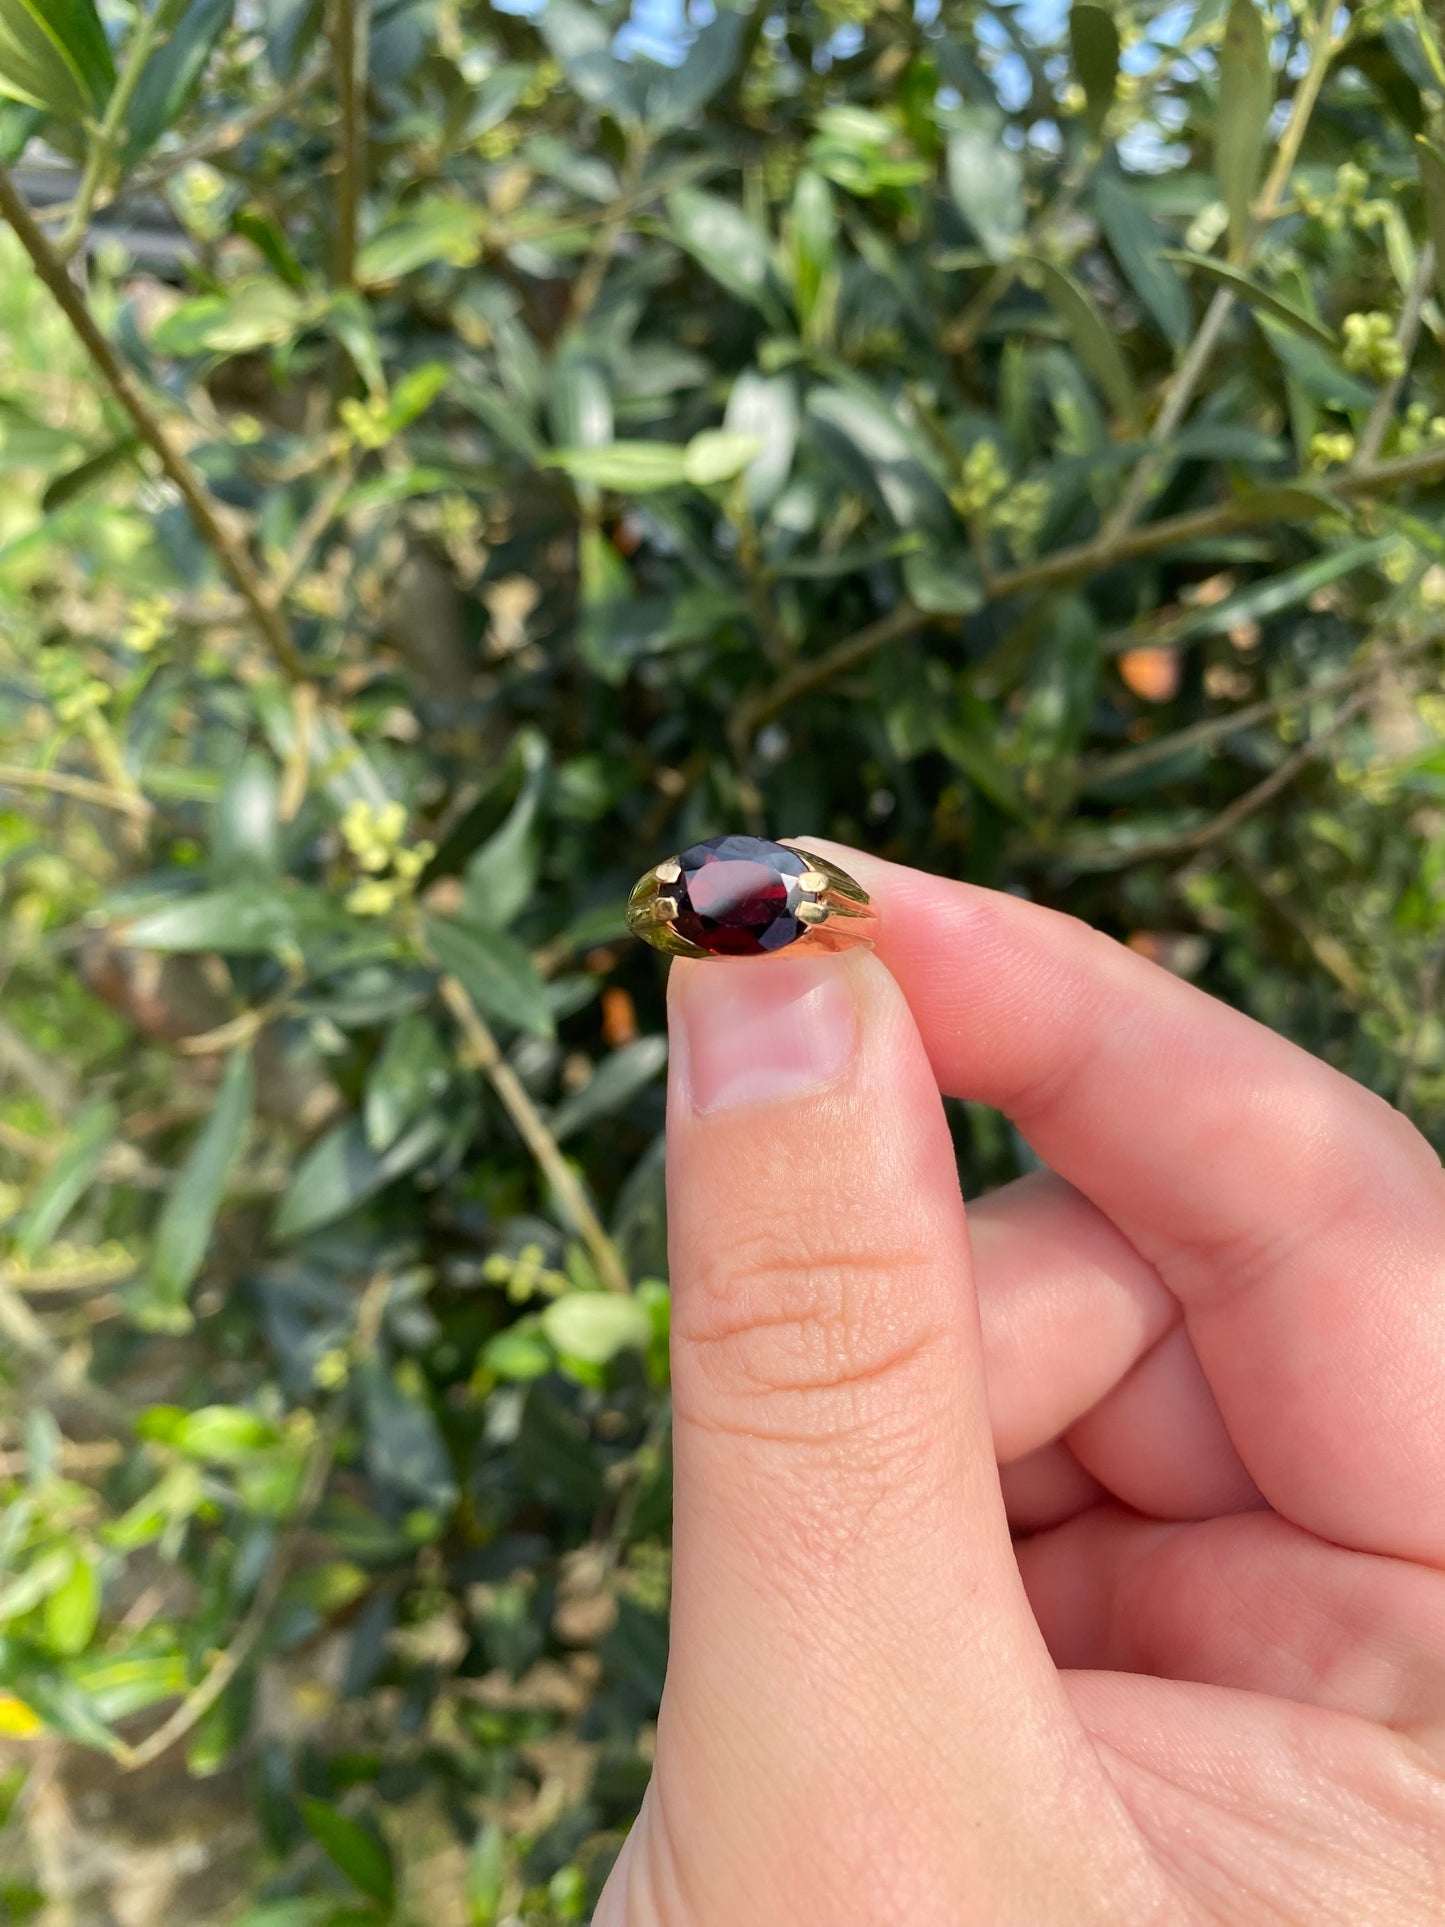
(495, 972)
(1246, 95)
(1264, 300)
(67, 1180)
(1094, 43)
(1096, 342)
(184, 1231)
(1136, 245)
(54, 54)
(361, 1855)
(1432, 183)
(173, 73)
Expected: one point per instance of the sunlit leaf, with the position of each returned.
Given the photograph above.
(54, 54)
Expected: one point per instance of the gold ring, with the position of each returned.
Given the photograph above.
(741, 896)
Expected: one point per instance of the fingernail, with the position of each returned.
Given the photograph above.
(757, 1031)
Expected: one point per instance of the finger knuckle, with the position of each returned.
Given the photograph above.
(803, 1336)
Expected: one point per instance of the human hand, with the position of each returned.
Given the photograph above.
(1198, 1367)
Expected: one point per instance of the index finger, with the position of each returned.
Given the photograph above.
(1299, 1220)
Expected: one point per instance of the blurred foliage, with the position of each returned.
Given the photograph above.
(1005, 437)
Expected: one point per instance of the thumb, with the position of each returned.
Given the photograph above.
(860, 1722)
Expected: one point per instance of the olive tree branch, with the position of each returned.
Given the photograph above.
(532, 1129)
(229, 553)
(1245, 806)
(82, 788)
(588, 285)
(1212, 729)
(1186, 379)
(1100, 552)
(152, 32)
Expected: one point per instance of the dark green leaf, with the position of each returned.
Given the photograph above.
(502, 876)
(972, 754)
(343, 1171)
(943, 584)
(889, 459)
(360, 1852)
(1432, 184)
(405, 1451)
(54, 54)
(615, 1083)
(173, 73)
(184, 1231)
(1265, 598)
(680, 93)
(1246, 95)
(270, 240)
(94, 470)
(1096, 342)
(67, 1180)
(495, 972)
(1094, 43)
(1137, 248)
(1318, 372)
(1262, 299)
(410, 1075)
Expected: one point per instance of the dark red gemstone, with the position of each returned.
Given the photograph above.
(739, 896)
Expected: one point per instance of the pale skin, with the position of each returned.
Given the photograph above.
(1079, 1559)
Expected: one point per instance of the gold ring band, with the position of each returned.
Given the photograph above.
(742, 896)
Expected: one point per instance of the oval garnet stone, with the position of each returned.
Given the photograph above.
(739, 896)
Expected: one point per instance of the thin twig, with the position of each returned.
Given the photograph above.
(1066, 565)
(1128, 762)
(576, 1205)
(1187, 376)
(225, 140)
(1406, 336)
(82, 788)
(1229, 819)
(899, 623)
(23, 1330)
(317, 521)
(177, 464)
(350, 38)
(152, 32)
(588, 285)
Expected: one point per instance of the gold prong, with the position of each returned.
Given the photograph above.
(668, 872)
(646, 915)
(813, 913)
(813, 881)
